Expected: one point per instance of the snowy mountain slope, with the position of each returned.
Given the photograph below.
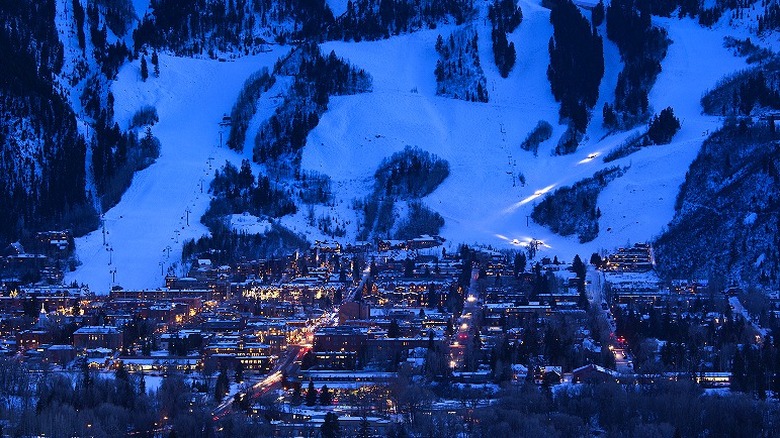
(482, 201)
(149, 224)
(478, 200)
(639, 205)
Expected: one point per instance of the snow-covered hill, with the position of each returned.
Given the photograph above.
(145, 231)
(479, 200)
(483, 199)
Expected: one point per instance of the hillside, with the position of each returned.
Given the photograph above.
(492, 185)
(725, 226)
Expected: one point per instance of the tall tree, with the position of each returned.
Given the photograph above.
(311, 394)
(144, 69)
(330, 427)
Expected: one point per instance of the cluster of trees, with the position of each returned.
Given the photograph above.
(631, 144)
(406, 175)
(458, 71)
(378, 215)
(42, 155)
(609, 409)
(542, 132)
(316, 78)
(376, 19)
(710, 13)
(58, 405)
(246, 106)
(216, 26)
(661, 130)
(213, 26)
(770, 19)
(116, 14)
(573, 210)
(178, 346)
(116, 156)
(312, 397)
(411, 173)
(238, 191)
(419, 220)
(145, 67)
(754, 369)
(733, 165)
(642, 47)
(146, 115)
(665, 409)
(226, 246)
(685, 337)
(87, 404)
(663, 127)
(745, 91)
(314, 188)
(745, 47)
(504, 17)
(576, 64)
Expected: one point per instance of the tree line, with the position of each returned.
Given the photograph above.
(642, 48)
(576, 65)
(377, 19)
(316, 78)
(43, 154)
(504, 17)
(458, 70)
(574, 210)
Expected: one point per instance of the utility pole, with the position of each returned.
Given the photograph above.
(103, 225)
(110, 253)
(113, 275)
(188, 211)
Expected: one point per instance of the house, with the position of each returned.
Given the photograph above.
(99, 336)
(549, 375)
(592, 373)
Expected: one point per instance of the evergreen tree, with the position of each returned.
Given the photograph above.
(576, 64)
(156, 64)
(663, 127)
(597, 14)
(144, 69)
(579, 267)
(519, 263)
(408, 268)
(222, 386)
(326, 398)
(433, 296)
(239, 372)
(296, 395)
(394, 331)
(311, 394)
(330, 427)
